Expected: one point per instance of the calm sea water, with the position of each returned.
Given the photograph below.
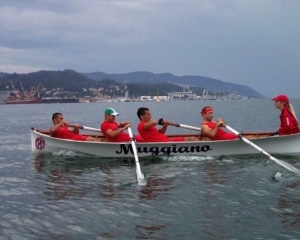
(68, 195)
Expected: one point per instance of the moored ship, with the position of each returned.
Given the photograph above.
(22, 97)
(14, 99)
(59, 100)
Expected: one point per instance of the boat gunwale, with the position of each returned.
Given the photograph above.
(261, 135)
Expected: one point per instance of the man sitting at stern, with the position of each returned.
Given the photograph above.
(60, 129)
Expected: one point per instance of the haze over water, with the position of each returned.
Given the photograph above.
(69, 195)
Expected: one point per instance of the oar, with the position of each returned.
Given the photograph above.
(140, 177)
(185, 126)
(87, 128)
(160, 122)
(279, 162)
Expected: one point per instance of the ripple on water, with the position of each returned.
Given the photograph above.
(14, 186)
(11, 142)
(187, 158)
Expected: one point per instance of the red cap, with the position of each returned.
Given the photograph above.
(281, 98)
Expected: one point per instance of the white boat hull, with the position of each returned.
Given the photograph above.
(274, 145)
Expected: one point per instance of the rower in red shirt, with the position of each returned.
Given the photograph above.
(114, 131)
(212, 129)
(288, 119)
(150, 133)
(60, 129)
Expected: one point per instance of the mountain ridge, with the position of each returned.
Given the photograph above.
(210, 84)
(137, 83)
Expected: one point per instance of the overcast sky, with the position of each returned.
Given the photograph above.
(249, 42)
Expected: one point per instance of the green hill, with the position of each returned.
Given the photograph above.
(72, 83)
(212, 85)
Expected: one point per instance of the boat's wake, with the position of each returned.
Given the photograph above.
(188, 158)
(68, 153)
(278, 176)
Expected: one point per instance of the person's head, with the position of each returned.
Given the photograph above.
(110, 114)
(144, 114)
(281, 101)
(207, 113)
(57, 118)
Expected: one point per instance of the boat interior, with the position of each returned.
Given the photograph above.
(248, 135)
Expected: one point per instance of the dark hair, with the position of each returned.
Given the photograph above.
(55, 115)
(141, 111)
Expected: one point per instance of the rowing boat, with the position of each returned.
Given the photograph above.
(41, 141)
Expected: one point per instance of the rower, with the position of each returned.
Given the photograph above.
(150, 133)
(213, 129)
(114, 131)
(61, 126)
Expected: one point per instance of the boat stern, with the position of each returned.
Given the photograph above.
(38, 143)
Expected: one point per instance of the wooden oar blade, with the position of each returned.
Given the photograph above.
(140, 176)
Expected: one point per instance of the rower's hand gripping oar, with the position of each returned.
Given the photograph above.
(140, 177)
(279, 162)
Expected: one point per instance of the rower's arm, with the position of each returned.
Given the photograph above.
(150, 123)
(210, 132)
(122, 124)
(163, 129)
(75, 128)
(55, 128)
(114, 133)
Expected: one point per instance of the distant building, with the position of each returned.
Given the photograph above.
(146, 98)
(151, 98)
(183, 95)
(161, 98)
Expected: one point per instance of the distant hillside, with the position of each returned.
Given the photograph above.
(212, 85)
(2, 74)
(98, 84)
(67, 79)
(75, 84)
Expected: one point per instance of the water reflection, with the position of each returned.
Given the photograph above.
(156, 187)
(201, 196)
(114, 188)
(150, 232)
(216, 178)
(66, 177)
(289, 205)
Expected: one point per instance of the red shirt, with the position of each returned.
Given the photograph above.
(221, 134)
(122, 137)
(288, 123)
(151, 134)
(64, 133)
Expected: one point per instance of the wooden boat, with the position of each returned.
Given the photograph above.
(41, 141)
